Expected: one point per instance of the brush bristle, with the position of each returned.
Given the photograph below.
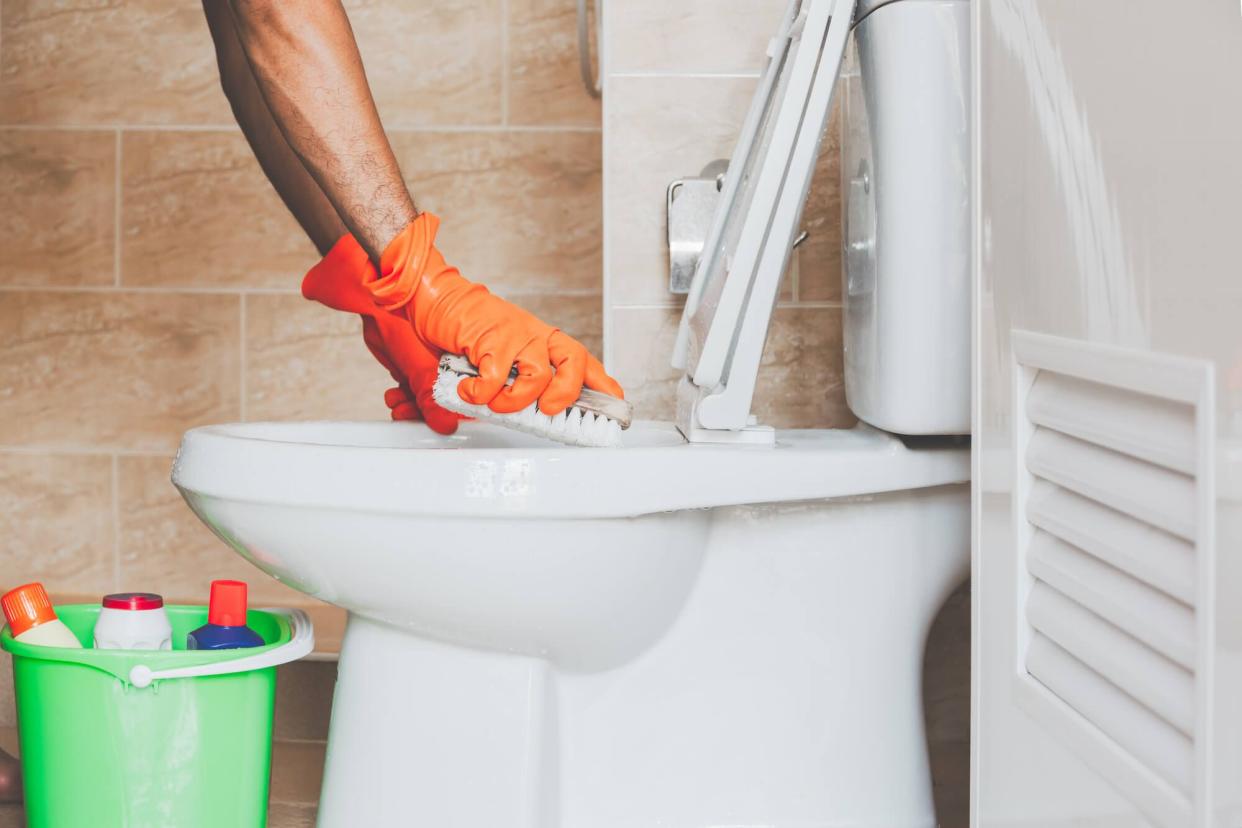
(573, 426)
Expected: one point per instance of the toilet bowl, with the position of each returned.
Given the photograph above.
(552, 637)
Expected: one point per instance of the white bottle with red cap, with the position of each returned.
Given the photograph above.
(133, 621)
(32, 619)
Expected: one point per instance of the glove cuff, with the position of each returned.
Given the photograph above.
(345, 262)
(405, 262)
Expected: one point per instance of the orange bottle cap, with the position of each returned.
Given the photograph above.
(227, 605)
(27, 606)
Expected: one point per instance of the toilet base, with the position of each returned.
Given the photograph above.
(786, 693)
(425, 733)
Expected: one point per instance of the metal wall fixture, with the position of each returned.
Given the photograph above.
(590, 74)
(691, 203)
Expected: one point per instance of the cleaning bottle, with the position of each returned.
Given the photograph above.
(133, 621)
(32, 619)
(226, 620)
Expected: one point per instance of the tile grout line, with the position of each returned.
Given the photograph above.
(158, 289)
(241, 351)
(806, 304)
(296, 741)
(504, 62)
(795, 278)
(116, 218)
(251, 291)
(603, 57)
(116, 522)
(694, 75)
(811, 304)
(84, 451)
(223, 128)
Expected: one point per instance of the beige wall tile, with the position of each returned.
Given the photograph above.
(431, 63)
(655, 137)
(521, 210)
(12, 816)
(128, 62)
(304, 699)
(166, 549)
(579, 316)
(800, 382)
(116, 370)
(8, 708)
(285, 815)
(56, 521)
(946, 671)
(57, 207)
(802, 376)
(691, 35)
(946, 708)
(642, 343)
(297, 772)
(198, 211)
(950, 766)
(545, 84)
(819, 257)
(308, 362)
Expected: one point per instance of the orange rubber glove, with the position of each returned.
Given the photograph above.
(450, 313)
(339, 281)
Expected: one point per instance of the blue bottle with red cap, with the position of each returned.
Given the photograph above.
(226, 621)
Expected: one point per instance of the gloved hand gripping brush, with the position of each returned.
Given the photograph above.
(512, 368)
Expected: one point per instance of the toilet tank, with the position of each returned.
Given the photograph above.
(905, 170)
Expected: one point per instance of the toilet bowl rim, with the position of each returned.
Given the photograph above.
(539, 480)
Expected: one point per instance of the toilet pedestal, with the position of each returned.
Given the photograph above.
(786, 692)
(425, 733)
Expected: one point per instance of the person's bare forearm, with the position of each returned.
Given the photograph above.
(300, 193)
(306, 65)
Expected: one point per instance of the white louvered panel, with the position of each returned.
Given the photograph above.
(1113, 517)
(1165, 625)
(1135, 547)
(1154, 494)
(1150, 739)
(1149, 428)
(1167, 689)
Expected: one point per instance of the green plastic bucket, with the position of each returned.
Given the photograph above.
(139, 738)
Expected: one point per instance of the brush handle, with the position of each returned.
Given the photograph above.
(596, 402)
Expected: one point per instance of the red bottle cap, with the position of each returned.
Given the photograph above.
(27, 606)
(133, 601)
(228, 604)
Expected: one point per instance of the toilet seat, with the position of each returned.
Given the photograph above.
(486, 471)
(729, 306)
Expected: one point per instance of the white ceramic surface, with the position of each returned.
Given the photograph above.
(1108, 173)
(905, 193)
(575, 638)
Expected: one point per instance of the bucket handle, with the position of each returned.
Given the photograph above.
(300, 644)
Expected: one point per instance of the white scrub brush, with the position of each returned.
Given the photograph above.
(595, 419)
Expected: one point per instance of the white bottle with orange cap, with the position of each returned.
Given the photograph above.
(32, 619)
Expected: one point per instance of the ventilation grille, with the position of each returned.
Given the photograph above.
(1110, 517)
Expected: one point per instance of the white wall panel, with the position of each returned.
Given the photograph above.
(1108, 163)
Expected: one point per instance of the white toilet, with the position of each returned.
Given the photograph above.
(725, 630)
